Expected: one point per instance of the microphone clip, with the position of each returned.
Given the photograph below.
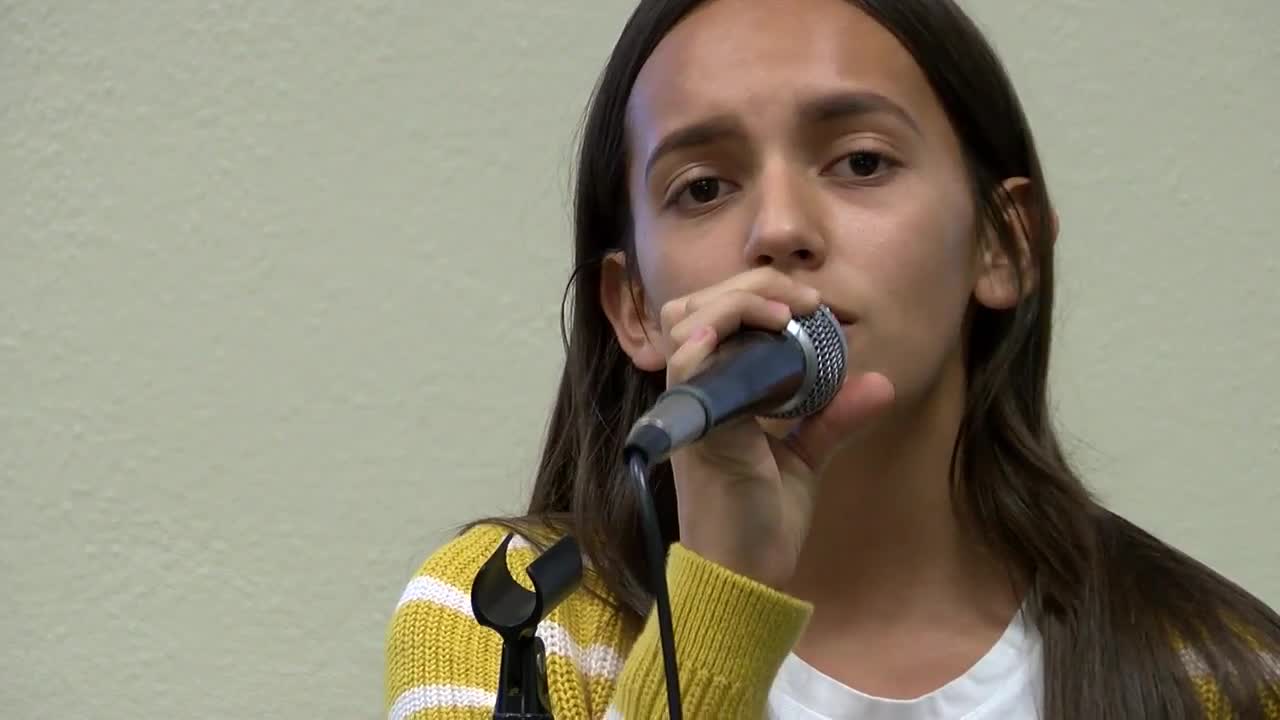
(503, 605)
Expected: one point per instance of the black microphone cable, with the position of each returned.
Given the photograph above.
(656, 553)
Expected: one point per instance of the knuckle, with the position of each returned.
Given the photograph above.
(671, 311)
(679, 332)
(739, 299)
(744, 299)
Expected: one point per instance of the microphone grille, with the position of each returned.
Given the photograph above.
(826, 351)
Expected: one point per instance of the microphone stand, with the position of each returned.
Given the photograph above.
(503, 605)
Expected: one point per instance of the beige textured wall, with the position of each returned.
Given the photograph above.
(278, 295)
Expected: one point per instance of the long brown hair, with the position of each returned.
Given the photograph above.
(1130, 625)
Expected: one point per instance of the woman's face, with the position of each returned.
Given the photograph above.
(800, 134)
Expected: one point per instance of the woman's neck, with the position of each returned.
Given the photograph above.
(886, 546)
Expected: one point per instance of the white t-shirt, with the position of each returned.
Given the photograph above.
(1005, 684)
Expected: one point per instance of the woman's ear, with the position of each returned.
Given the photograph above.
(996, 285)
(634, 325)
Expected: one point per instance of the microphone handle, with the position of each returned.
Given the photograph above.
(756, 372)
(753, 374)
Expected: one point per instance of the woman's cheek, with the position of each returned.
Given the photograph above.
(917, 317)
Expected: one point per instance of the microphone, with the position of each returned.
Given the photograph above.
(788, 374)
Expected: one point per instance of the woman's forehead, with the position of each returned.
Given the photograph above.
(740, 56)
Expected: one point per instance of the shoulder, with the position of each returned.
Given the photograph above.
(453, 565)
(434, 643)
(1224, 641)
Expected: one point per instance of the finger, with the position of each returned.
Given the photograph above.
(766, 281)
(690, 356)
(863, 397)
(672, 313)
(730, 312)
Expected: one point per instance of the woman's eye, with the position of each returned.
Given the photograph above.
(702, 191)
(863, 164)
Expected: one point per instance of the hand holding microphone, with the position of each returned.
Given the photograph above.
(746, 497)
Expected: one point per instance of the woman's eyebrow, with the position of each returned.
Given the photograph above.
(844, 105)
(698, 134)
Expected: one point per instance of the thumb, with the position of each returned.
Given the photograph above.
(861, 398)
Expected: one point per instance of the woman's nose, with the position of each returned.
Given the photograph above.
(785, 232)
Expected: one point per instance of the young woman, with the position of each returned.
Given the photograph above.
(921, 548)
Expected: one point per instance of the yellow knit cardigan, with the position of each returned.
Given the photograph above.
(731, 634)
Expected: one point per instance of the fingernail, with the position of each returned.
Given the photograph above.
(781, 308)
(703, 333)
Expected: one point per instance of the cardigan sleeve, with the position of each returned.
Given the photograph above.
(731, 635)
